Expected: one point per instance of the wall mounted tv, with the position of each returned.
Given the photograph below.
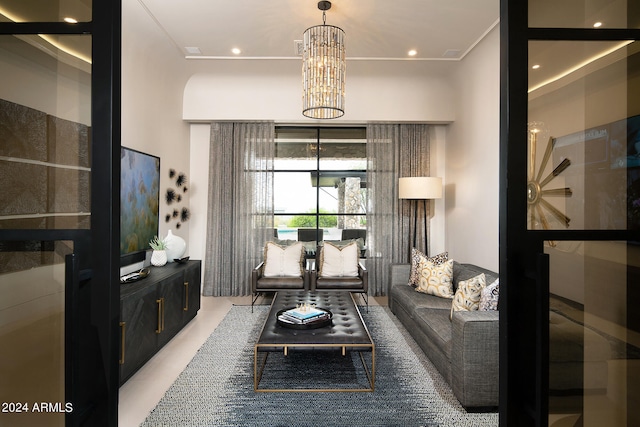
(139, 203)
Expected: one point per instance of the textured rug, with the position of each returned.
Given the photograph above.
(216, 388)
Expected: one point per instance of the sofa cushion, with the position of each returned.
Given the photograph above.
(278, 283)
(338, 283)
(283, 261)
(468, 271)
(436, 279)
(338, 261)
(489, 297)
(407, 297)
(435, 324)
(417, 257)
(467, 297)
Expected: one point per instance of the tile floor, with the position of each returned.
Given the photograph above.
(140, 394)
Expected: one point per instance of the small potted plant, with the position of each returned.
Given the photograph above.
(159, 254)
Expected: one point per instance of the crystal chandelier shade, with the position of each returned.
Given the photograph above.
(323, 72)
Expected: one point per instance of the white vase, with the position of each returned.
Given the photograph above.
(158, 258)
(176, 246)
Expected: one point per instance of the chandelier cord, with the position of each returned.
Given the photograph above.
(324, 17)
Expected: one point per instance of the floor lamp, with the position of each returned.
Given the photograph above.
(420, 188)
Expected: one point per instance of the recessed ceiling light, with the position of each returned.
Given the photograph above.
(597, 25)
(412, 52)
(535, 67)
(236, 51)
(70, 20)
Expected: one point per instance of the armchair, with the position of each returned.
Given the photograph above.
(323, 281)
(282, 269)
(261, 284)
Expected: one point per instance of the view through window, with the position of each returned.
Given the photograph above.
(320, 183)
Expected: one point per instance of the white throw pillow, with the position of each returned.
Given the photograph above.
(282, 261)
(339, 261)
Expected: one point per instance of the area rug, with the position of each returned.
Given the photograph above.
(216, 388)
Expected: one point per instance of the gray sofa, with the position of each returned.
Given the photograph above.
(463, 349)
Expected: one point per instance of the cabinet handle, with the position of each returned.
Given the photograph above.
(163, 313)
(186, 297)
(159, 301)
(122, 340)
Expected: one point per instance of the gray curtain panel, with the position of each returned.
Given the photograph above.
(240, 207)
(393, 151)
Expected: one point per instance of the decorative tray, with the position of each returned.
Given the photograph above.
(135, 276)
(320, 322)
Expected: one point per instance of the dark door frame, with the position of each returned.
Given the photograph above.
(524, 320)
(92, 289)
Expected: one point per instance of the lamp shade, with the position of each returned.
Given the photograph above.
(420, 187)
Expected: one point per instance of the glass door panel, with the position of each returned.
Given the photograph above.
(594, 333)
(584, 14)
(32, 331)
(584, 136)
(45, 10)
(45, 166)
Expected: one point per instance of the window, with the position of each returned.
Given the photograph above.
(320, 183)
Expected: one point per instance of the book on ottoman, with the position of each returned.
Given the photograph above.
(302, 315)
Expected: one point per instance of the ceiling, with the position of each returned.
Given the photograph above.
(375, 29)
(438, 30)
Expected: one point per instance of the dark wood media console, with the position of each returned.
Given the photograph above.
(153, 310)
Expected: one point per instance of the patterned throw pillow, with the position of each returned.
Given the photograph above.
(467, 297)
(436, 279)
(416, 257)
(338, 261)
(489, 297)
(283, 260)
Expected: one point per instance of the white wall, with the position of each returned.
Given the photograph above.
(153, 79)
(398, 91)
(472, 158)
(199, 190)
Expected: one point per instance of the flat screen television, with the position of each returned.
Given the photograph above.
(139, 203)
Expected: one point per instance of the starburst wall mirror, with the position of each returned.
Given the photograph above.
(538, 207)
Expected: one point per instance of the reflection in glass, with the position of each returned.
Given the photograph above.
(46, 122)
(583, 139)
(32, 327)
(594, 333)
(45, 10)
(583, 14)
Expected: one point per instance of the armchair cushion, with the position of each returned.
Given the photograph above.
(338, 261)
(282, 261)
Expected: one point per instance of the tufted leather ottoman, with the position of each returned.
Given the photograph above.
(346, 333)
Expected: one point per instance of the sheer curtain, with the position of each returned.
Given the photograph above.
(393, 151)
(240, 208)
